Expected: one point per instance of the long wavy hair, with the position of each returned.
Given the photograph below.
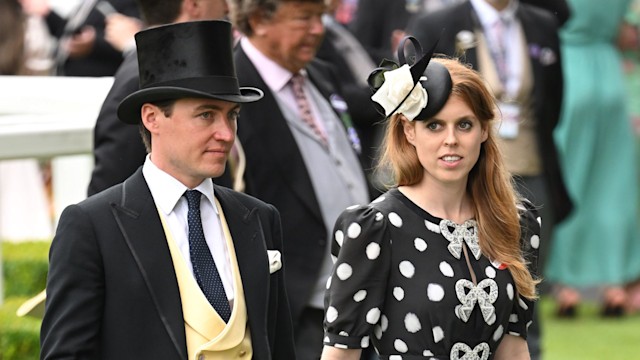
(489, 184)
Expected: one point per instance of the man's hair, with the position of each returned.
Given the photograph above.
(154, 12)
(166, 106)
(241, 11)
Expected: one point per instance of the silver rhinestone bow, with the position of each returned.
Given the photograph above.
(469, 353)
(467, 232)
(477, 294)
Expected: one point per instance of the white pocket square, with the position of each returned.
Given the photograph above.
(275, 262)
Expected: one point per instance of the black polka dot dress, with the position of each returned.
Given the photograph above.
(418, 287)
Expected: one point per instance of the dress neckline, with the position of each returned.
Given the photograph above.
(417, 209)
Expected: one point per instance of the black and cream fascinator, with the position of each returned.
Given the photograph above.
(418, 91)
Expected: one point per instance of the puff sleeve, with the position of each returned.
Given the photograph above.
(355, 293)
(522, 312)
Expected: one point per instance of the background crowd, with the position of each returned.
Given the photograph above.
(566, 75)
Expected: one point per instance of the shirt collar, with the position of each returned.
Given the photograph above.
(167, 190)
(488, 15)
(275, 76)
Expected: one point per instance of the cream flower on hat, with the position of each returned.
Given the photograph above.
(398, 88)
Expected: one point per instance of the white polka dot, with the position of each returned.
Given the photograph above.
(420, 244)
(400, 346)
(522, 303)
(373, 316)
(329, 282)
(395, 219)
(379, 199)
(379, 216)
(435, 292)
(438, 334)
(340, 346)
(535, 241)
(352, 207)
(412, 323)
(364, 343)
(514, 333)
(354, 230)
(332, 314)
(446, 269)
(510, 291)
(490, 272)
(539, 220)
(344, 271)
(360, 295)
(343, 333)
(497, 335)
(373, 251)
(334, 258)
(513, 318)
(432, 227)
(339, 237)
(384, 322)
(427, 353)
(529, 324)
(407, 269)
(398, 293)
(326, 339)
(395, 357)
(377, 331)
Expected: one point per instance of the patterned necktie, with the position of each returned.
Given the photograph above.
(297, 83)
(204, 268)
(500, 49)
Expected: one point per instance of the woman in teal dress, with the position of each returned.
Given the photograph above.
(599, 244)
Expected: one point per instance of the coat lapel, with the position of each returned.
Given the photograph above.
(139, 222)
(249, 243)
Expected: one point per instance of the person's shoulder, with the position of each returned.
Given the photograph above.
(246, 200)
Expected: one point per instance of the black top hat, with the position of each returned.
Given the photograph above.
(432, 76)
(191, 59)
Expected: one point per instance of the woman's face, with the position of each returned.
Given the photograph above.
(448, 145)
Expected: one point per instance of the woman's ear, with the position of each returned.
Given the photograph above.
(485, 133)
(409, 128)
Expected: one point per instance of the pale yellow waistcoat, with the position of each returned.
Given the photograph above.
(208, 337)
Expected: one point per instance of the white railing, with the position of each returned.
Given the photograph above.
(48, 117)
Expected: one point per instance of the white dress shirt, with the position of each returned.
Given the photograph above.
(167, 193)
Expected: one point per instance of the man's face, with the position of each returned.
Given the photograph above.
(193, 143)
(294, 33)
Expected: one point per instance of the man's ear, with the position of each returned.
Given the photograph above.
(191, 9)
(258, 23)
(149, 114)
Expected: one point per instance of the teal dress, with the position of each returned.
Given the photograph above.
(599, 243)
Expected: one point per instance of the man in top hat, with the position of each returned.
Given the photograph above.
(168, 265)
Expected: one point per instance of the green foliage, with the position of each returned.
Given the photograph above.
(19, 336)
(25, 267)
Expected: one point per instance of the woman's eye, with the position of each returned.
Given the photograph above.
(433, 126)
(465, 125)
